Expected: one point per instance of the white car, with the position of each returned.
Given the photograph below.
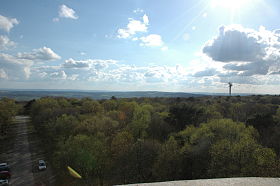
(42, 165)
(4, 182)
(4, 167)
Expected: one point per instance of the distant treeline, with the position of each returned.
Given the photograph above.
(25, 95)
(119, 141)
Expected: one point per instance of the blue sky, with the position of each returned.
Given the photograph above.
(190, 46)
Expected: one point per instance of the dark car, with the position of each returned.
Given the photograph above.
(5, 175)
(4, 167)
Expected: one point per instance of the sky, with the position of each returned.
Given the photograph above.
(141, 45)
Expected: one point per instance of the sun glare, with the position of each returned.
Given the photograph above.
(230, 4)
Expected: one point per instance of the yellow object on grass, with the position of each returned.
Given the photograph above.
(74, 173)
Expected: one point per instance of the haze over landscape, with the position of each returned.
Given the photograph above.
(174, 46)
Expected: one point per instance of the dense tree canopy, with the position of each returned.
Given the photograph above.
(120, 141)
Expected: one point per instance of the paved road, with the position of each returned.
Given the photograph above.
(22, 152)
(20, 156)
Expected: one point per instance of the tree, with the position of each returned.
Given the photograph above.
(8, 109)
(92, 125)
(168, 163)
(158, 128)
(110, 105)
(144, 154)
(122, 156)
(184, 114)
(223, 148)
(89, 155)
(64, 125)
(140, 122)
(127, 109)
(90, 106)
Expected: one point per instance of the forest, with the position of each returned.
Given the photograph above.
(133, 140)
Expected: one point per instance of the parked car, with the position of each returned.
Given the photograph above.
(4, 182)
(5, 175)
(42, 165)
(4, 167)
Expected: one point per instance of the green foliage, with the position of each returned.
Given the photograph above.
(140, 122)
(184, 114)
(168, 163)
(90, 106)
(226, 149)
(8, 109)
(121, 141)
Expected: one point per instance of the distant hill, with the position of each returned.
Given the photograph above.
(24, 95)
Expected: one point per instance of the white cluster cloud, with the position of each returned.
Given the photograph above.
(7, 23)
(141, 26)
(3, 74)
(5, 43)
(133, 27)
(41, 54)
(111, 71)
(97, 64)
(247, 56)
(206, 72)
(151, 40)
(142, 75)
(60, 75)
(14, 68)
(65, 12)
(19, 66)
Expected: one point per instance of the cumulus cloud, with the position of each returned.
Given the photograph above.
(73, 77)
(6, 43)
(141, 26)
(141, 74)
(60, 75)
(66, 12)
(206, 72)
(41, 54)
(151, 40)
(245, 52)
(3, 74)
(235, 43)
(7, 23)
(133, 27)
(96, 64)
(71, 63)
(112, 72)
(21, 65)
(146, 19)
(14, 68)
